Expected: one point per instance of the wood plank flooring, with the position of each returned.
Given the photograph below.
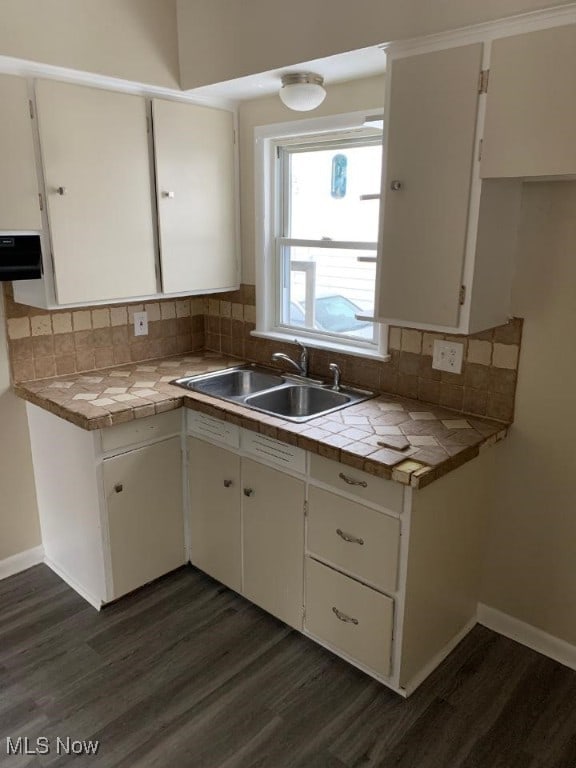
(186, 674)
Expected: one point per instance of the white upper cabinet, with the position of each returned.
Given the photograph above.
(447, 240)
(428, 162)
(530, 125)
(195, 177)
(98, 188)
(19, 201)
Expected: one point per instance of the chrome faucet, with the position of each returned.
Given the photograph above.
(335, 369)
(302, 365)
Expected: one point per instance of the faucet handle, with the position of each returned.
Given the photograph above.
(303, 357)
(335, 370)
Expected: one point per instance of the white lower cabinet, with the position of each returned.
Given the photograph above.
(273, 540)
(385, 576)
(215, 526)
(247, 527)
(143, 493)
(111, 517)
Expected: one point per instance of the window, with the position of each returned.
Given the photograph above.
(319, 209)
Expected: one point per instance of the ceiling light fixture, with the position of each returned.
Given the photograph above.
(302, 91)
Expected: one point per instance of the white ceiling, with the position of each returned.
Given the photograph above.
(343, 66)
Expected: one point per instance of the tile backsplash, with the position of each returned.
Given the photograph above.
(486, 386)
(54, 343)
(44, 344)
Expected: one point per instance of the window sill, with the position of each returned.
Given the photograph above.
(330, 346)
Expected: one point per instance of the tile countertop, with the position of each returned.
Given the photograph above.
(438, 440)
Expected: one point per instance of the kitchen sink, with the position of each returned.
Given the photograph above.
(232, 383)
(290, 397)
(295, 402)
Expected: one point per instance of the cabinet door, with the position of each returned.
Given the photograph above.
(430, 147)
(195, 185)
(214, 482)
(531, 105)
(19, 205)
(143, 491)
(98, 187)
(273, 540)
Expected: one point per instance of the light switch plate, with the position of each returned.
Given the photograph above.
(447, 356)
(140, 324)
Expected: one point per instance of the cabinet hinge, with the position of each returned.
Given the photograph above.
(31, 108)
(483, 81)
(480, 145)
(305, 509)
(462, 294)
(40, 201)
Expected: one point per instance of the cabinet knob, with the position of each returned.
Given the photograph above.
(118, 487)
(61, 191)
(168, 193)
(227, 483)
(396, 185)
(248, 491)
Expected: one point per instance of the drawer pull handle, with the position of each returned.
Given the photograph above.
(351, 481)
(349, 538)
(227, 483)
(343, 617)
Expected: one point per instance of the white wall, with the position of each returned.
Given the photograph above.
(530, 568)
(223, 39)
(130, 39)
(19, 526)
(364, 94)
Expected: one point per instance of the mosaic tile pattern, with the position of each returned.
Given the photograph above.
(388, 436)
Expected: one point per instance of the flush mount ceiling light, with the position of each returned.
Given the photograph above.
(302, 91)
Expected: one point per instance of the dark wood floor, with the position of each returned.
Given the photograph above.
(185, 674)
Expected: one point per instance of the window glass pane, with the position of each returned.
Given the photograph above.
(325, 288)
(324, 188)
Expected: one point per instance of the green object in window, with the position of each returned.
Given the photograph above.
(339, 176)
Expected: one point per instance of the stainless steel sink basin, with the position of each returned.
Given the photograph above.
(232, 383)
(297, 402)
(290, 397)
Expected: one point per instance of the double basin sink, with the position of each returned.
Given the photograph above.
(290, 397)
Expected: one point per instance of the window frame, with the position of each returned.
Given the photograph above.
(270, 211)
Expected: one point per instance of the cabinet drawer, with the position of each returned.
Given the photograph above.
(141, 430)
(376, 490)
(352, 537)
(214, 430)
(349, 617)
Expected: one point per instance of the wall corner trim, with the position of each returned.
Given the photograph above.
(530, 636)
(21, 562)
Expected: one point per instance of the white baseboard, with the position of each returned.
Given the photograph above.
(21, 562)
(532, 637)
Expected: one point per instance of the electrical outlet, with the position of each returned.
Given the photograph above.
(140, 324)
(448, 356)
